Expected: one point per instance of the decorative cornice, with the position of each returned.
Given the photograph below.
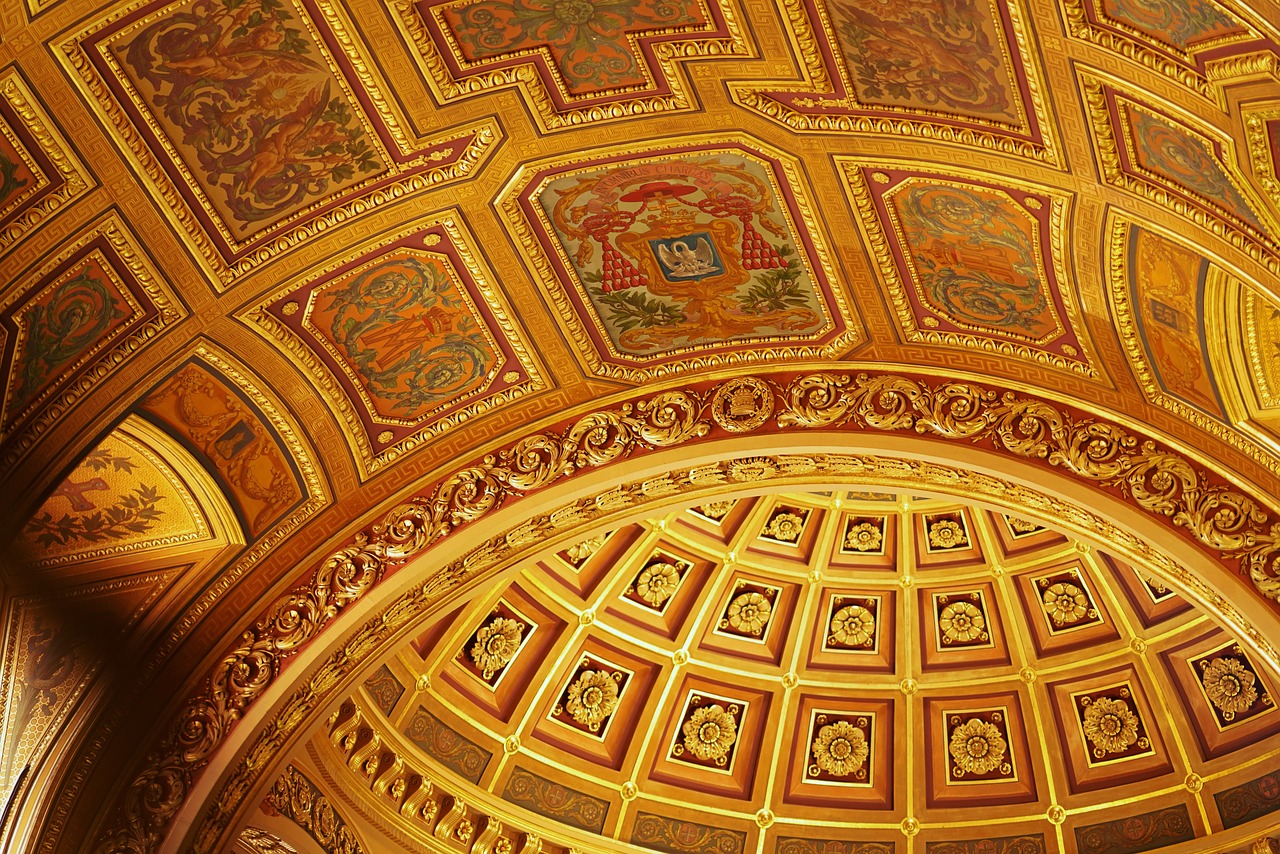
(1186, 500)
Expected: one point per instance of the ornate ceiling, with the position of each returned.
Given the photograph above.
(337, 333)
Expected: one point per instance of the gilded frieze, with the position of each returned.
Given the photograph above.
(39, 171)
(973, 261)
(405, 340)
(573, 62)
(687, 255)
(71, 322)
(963, 72)
(242, 118)
(1192, 503)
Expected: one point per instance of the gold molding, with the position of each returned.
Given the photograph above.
(297, 228)
(1256, 244)
(54, 146)
(1099, 454)
(51, 405)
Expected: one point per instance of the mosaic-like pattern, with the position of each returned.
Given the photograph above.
(951, 70)
(972, 263)
(405, 342)
(685, 837)
(574, 61)
(705, 252)
(1136, 833)
(446, 745)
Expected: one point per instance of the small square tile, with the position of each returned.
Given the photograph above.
(786, 525)
(863, 535)
(591, 696)
(495, 643)
(1066, 601)
(946, 532)
(1112, 728)
(839, 748)
(1231, 686)
(749, 611)
(657, 582)
(708, 732)
(962, 620)
(978, 746)
(853, 624)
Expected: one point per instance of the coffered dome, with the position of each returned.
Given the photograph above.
(810, 672)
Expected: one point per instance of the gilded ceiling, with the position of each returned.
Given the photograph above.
(688, 425)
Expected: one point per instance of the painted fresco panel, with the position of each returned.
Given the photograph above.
(590, 43)
(122, 497)
(76, 316)
(1179, 23)
(972, 263)
(1166, 287)
(1184, 159)
(685, 252)
(404, 340)
(246, 96)
(212, 416)
(921, 55)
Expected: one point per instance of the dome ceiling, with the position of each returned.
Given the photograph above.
(814, 672)
(318, 317)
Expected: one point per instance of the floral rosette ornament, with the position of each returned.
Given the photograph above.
(1065, 603)
(852, 625)
(1230, 686)
(593, 697)
(840, 749)
(496, 644)
(863, 537)
(785, 527)
(947, 534)
(1110, 725)
(657, 582)
(709, 733)
(977, 747)
(749, 613)
(962, 622)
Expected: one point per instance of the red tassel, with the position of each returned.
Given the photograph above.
(757, 253)
(617, 273)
